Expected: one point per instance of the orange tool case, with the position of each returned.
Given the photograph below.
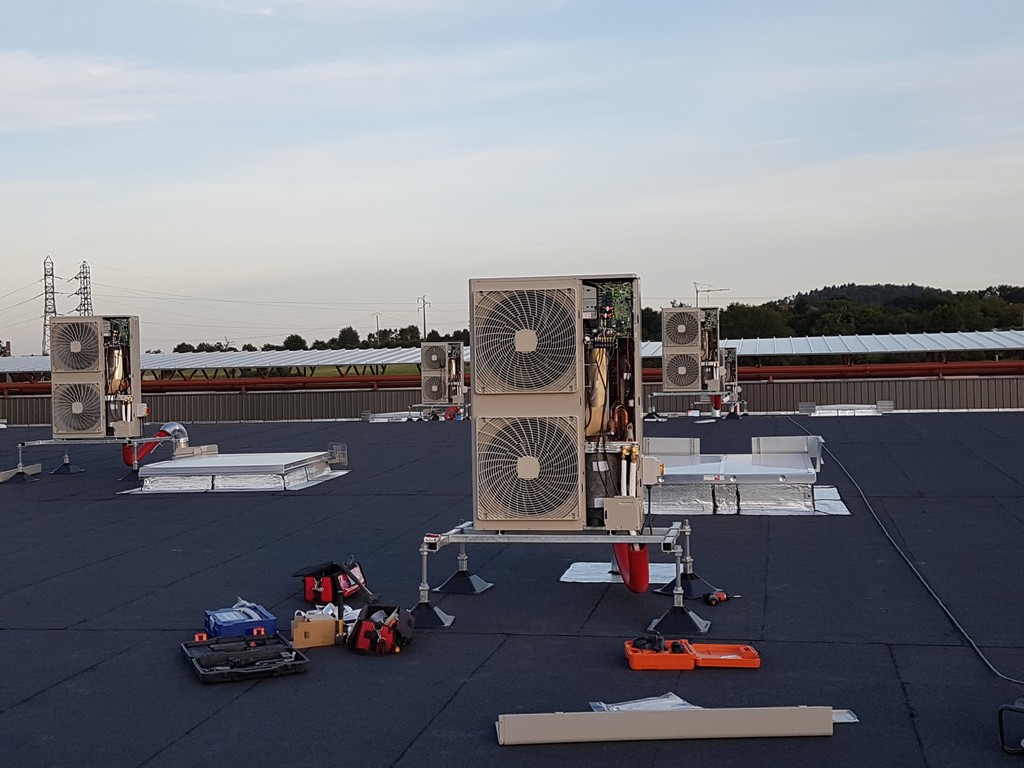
(682, 654)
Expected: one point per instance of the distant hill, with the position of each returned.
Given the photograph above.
(904, 297)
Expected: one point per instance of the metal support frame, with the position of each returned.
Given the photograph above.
(731, 406)
(430, 616)
(24, 474)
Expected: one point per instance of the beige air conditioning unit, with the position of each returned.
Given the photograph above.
(95, 377)
(441, 373)
(689, 356)
(528, 390)
(557, 403)
(680, 351)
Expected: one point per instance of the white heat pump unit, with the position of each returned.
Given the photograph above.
(689, 353)
(95, 377)
(555, 369)
(441, 373)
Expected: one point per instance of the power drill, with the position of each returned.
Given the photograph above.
(714, 598)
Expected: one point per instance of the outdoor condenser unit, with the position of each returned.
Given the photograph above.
(689, 352)
(555, 366)
(441, 372)
(95, 377)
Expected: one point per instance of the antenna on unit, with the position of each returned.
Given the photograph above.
(84, 291)
(49, 302)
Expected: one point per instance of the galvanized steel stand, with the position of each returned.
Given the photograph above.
(693, 586)
(21, 474)
(427, 615)
(465, 581)
(679, 621)
(67, 468)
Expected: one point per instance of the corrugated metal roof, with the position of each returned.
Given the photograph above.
(972, 341)
(968, 341)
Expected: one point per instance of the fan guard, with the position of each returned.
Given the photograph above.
(75, 347)
(433, 357)
(77, 407)
(682, 370)
(432, 388)
(525, 341)
(528, 468)
(681, 328)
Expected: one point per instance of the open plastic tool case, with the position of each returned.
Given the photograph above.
(682, 654)
(223, 659)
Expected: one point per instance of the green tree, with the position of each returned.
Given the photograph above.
(294, 342)
(347, 338)
(248, 347)
(184, 347)
(650, 324)
(740, 321)
(408, 334)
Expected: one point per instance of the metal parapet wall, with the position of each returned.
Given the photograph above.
(960, 394)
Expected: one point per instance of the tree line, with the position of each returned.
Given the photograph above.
(347, 338)
(836, 310)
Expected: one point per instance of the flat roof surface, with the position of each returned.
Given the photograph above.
(97, 591)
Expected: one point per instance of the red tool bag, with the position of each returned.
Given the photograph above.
(332, 582)
(381, 630)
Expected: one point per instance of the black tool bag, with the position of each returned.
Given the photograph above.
(381, 630)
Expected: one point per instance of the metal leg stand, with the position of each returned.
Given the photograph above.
(679, 621)
(692, 584)
(464, 581)
(651, 412)
(132, 475)
(67, 468)
(427, 615)
(22, 474)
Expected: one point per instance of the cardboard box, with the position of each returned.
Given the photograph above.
(312, 630)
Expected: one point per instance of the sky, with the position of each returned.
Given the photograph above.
(240, 171)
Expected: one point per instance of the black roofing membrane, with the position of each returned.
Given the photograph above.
(98, 590)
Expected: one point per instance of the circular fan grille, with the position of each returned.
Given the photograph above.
(75, 347)
(76, 407)
(681, 328)
(434, 357)
(527, 468)
(432, 388)
(682, 370)
(525, 341)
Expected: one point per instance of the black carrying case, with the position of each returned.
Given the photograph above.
(226, 659)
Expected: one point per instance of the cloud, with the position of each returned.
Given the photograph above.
(55, 91)
(379, 7)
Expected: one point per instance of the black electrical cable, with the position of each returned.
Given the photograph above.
(907, 560)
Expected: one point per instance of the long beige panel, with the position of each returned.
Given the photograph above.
(737, 723)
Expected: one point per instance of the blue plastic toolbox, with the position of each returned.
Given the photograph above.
(243, 618)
